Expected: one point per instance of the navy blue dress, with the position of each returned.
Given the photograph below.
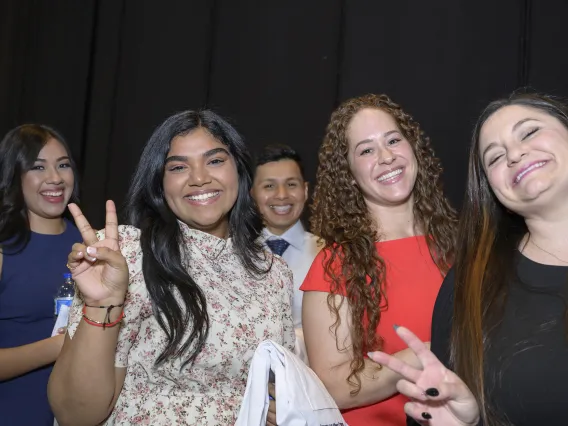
(28, 284)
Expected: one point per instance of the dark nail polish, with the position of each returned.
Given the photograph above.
(395, 326)
(426, 416)
(432, 392)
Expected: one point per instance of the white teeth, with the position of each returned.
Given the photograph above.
(390, 175)
(52, 194)
(203, 197)
(524, 172)
(282, 209)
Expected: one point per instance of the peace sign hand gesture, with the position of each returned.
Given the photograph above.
(439, 396)
(98, 267)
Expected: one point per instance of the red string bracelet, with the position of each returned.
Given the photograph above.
(106, 323)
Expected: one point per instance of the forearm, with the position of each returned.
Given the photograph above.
(83, 383)
(376, 385)
(22, 359)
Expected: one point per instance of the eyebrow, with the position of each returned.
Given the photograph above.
(488, 148)
(364, 141)
(41, 160)
(271, 179)
(524, 120)
(207, 154)
(214, 151)
(515, 127)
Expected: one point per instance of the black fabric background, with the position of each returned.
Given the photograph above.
(106, 72)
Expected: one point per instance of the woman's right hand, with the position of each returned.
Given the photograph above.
(438, 395)
(98, 267)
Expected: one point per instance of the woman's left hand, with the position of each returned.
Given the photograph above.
(438, 395)
(271, 417)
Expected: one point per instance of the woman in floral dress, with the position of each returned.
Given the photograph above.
(173, 305)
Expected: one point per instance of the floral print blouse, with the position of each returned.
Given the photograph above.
(243, 311)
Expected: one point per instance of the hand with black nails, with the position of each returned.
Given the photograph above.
(438, 396)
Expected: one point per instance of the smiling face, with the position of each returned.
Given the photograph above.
(280, 194)
(201, 182)
(48, 185)
(381, 159)
(524, 152)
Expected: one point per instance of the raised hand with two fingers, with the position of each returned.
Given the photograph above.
(98, 267)
(438, 396)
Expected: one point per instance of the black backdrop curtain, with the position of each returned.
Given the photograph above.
(106, 72)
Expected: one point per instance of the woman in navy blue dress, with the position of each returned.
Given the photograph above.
(37, 180)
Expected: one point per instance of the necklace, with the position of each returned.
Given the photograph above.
(546, 251)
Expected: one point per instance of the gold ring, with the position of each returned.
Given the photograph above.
(70, 268)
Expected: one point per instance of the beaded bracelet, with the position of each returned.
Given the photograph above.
(106, 323)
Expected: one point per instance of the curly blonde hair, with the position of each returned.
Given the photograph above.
(341, 217)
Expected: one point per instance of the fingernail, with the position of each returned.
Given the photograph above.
(369, 354)
(61, 330)
(395, 326)
(426, 416)
(79, 253)
(432, 392)
(92, 251)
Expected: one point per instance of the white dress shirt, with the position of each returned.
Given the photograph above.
(299, 256)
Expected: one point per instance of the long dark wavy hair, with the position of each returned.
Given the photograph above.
(489, 236)
(19, 150)
(161, 237)
(341, 217)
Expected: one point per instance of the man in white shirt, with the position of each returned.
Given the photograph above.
(281, 192)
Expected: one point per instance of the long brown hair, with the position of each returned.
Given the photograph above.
(341, 217)
(488, 238)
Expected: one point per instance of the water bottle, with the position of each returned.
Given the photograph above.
(65, 293)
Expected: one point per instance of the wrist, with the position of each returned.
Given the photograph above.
(107, 301)
(105, 311)
(103, 315)
(53, 347)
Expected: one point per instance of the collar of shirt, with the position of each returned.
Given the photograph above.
(210, 245)
(294, 235)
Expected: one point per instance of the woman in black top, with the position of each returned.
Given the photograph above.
(500, 318)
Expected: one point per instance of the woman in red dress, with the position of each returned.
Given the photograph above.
(389, 234)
